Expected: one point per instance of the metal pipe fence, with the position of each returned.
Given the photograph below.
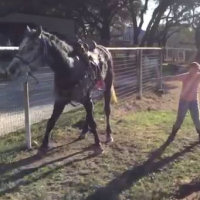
(179, 55)
(12, 103)
(135, 72)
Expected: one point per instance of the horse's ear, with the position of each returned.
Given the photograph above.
(28, 29)
(86, 46)
(38, 31)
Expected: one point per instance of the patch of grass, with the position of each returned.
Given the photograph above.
(71, 171)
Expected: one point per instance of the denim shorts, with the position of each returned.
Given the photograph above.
(184, 106)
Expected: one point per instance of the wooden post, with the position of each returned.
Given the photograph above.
(140, 73)
(184, 55)
(167, 55)
(27, 115)
(161, 69)
(178, 56)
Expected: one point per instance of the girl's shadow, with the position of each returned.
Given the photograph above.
(130, 177)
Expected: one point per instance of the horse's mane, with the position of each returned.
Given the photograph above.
(59, 44)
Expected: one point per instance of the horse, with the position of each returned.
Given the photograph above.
(73, 78)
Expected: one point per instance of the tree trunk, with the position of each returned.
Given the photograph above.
(134, 22)
(154, 28)
(136, 30)
(105, 32)
(163, 41)
(136, 36)
(149, 37)
(146, 35)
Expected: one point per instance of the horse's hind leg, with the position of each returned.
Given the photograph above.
(107, 97)
(92, 124)
(58, 108)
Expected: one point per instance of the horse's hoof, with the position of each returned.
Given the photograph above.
(81, 137)
(98, 149)
(109, 139)
(199, 138)
(43, 150)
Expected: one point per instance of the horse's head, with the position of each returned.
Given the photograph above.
(30, 54)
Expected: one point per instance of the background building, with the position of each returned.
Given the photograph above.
(12, 26)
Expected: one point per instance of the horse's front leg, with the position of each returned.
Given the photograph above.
(92, 124)
(58, 108)
(84, 130)
(107, 96)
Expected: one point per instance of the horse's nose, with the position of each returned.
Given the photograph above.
(10, 71)
(5, 73)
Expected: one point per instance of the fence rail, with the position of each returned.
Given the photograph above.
(136, 70)
(179, 55)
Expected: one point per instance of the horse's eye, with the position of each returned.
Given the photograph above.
(13, 70)
(30, 48)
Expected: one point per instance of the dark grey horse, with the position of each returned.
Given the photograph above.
(73, 78)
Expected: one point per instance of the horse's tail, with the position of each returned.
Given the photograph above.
(113, 95)
(108, 56)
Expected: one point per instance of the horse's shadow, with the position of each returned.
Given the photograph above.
(23, 162)
(27, 166)
(114, 188)
(187, 189)
(79, 124)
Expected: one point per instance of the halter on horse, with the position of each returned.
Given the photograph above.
(73, 79)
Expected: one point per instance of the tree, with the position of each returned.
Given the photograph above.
(100, 15)
(89, 15)
(168, 18)
(137, 11)
(193, 19)
(172, 22)
(149, 37)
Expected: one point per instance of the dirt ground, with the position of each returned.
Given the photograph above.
(166, 100)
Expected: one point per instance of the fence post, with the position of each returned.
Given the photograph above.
(166, 54)
(140, 54)
(184, 57)
(161, 69)
(27, 115)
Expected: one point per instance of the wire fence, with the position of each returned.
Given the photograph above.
(41, 97)
(125, 72)
(179, 55)
(135, 71)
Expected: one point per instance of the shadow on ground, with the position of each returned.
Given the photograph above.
(130, 177)
(167, 87)
(13, 175)
(186, 190)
